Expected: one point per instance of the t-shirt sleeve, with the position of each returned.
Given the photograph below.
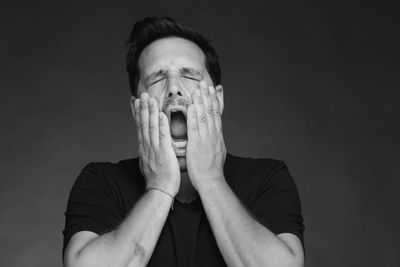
(91, 205)
(277, 203)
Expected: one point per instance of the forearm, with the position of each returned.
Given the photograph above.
(241, 239)
(133, 241)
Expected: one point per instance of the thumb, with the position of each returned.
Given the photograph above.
(164, 133)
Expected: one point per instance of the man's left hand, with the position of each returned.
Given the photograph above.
(205, 152)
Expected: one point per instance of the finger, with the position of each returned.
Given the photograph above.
(216, 109)
(144, 119)
(137, 121)
(153, 124)
(205, 95)
(201, 116)
(208, 108)
(192, 127)
(164, 131)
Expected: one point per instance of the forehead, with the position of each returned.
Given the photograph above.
(171, 52)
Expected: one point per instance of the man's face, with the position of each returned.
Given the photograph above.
(170, 71)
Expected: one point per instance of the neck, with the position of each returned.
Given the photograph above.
(187, 193)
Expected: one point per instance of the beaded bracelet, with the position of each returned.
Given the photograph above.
(172, 205)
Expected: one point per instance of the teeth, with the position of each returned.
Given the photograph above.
(175, 109)
(180, 144)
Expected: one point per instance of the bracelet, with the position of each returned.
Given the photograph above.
(151, 188)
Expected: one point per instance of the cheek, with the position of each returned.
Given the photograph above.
(190, 85)
(153, 93)
(156, 90)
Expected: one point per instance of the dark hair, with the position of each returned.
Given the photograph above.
(151, 29)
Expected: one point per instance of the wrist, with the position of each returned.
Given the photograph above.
(169, 189)
(154, 190)
(210, 184)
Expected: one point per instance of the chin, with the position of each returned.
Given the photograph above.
(182, 163)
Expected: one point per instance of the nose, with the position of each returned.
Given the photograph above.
(173, 87)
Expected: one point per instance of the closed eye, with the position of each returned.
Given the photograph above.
(156, 81)
(191, 78)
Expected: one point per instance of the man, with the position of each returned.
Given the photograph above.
(183, 201)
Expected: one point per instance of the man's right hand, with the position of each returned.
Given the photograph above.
(157, 159)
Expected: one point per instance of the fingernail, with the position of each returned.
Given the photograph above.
(212, 90)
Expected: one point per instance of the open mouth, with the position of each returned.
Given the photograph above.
(178, 128)
(176, 108)
(178, 125)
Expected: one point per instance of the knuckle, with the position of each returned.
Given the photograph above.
(210, 111)
(143, 126)
(202, 119)
(217, 111)
(163, 135)
(194, 128)
(152, 128)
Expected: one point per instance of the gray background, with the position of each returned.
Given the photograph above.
(315, 85)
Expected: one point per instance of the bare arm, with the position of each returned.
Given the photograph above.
(241, 239)
(133, 242)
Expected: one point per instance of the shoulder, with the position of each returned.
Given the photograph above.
(253, 166)
(107, 167)
(123, 176)
(249, 176)
(109, 171)
(119, 183)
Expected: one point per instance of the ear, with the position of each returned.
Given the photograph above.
(220, 95)
(132, 100)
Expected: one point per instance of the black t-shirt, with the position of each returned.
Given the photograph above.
(104, 193)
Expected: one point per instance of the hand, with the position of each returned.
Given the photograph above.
(157, 159)
(205, 152)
